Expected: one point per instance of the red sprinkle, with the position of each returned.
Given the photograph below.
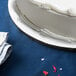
(54, 68)
(45, 73)
(58, 74)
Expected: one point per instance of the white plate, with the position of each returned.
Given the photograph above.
(30, 29)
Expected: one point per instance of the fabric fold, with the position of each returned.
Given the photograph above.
(5, 48)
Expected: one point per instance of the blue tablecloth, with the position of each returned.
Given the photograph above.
(30, 57)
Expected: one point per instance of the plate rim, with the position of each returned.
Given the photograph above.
(34, 34)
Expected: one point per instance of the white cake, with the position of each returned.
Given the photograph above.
(57, 16)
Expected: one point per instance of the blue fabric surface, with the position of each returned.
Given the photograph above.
(25, 59)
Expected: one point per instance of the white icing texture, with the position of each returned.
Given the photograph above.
(67, 7)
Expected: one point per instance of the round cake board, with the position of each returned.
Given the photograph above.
(25, 27)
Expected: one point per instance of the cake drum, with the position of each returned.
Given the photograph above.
(34, 32)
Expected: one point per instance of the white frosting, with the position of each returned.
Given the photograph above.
(62, 6)
(50, 22)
